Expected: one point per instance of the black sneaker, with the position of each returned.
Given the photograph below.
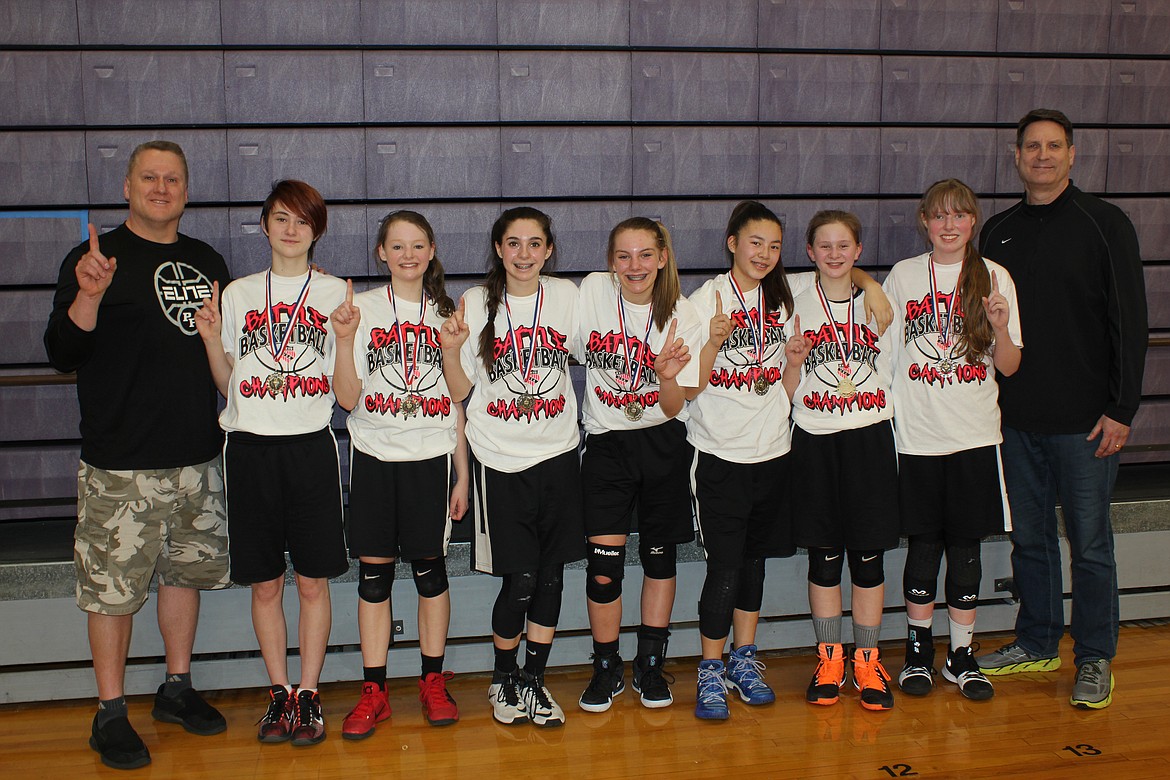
(119, 744)
(607, 681)
(917, 675)
(651, 682)
(963, 671)
(308, 728)
(190, 711)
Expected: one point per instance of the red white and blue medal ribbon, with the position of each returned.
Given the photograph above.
(633, 367)
(279, 351)
(845, 349)
(757, 335)
(409, 372)
(944, 326)
(528, 376)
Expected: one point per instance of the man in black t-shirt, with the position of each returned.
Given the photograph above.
(150, 485)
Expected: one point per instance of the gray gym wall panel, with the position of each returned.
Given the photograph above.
(564, 86)
(898, 234)
(819, 159)
(819, 24)
(209, 225)
(1138, 160)
(565, 162)
(462, 234)
(44, 471)
(559, 23)
(939, 25)
(38, 413)
(913, 158)
(1139, 92)
(700, 161)
(695, 87)
(1158, 297)
(431, 86)
(341, 252)
(820, 88)
(153, 87)
(150, 23)
(38, 23)
(332, 160)
(432, 162)
(696, 232)
(729, 24)
(434, 22)
(1089, 168)
(1079, 87)
(23, 314)
(42, 169)
(107, 153)
(1156, 380)
(276, 87)
(1065, 26)
(41, 88)
(1151, 428)
(291, 22)
(1139, 27)
(582, 233)
(795, 214)
(1151, 220)
(939, 89)
(32, 247)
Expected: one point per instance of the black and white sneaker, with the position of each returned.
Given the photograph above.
(607, 682)
(917, 675)
(504, 694)
(651, 682)
(963, 671)
(541, 707)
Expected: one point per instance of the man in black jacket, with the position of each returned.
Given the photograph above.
(1067, 411)
(150, 486)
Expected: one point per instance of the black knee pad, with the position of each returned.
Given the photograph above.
(866, 568)
(717, 602)
(751, 586)
(658, 560)
(516, 592)
(430, 577)
(374, 581)
(920, 577)
(964, 572)
(825, 565)
(546, 602)
(609, 562)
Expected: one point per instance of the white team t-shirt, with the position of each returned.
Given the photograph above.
(513, 424)
(729, 418)
(600, 347)
(821, 404)
(397, 420)
(944, 404)
(271, 393)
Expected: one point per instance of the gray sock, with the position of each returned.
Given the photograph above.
(175, 684)
(108, 709)
(866, 636)
(827, 630)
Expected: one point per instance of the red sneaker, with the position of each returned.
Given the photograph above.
(438, 706)
(372, 708)
(276, 725)
(309, 726)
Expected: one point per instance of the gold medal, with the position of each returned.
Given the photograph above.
(846, 388)
(410, 406)
(633, 411)
(527, 402)
(762, 385)
(946, 365)
(275, 382)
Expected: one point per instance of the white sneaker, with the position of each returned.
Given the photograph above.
(541, 707)
(507, 706)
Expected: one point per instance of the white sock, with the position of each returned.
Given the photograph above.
(961, 635)
(924, 623)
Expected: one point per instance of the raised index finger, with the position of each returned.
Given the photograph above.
(94, 248)
(670, 333)
(994, 283)
(349, 291)
(795, 324)
(718, 303)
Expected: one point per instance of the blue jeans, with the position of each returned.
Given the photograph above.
(1039, 469)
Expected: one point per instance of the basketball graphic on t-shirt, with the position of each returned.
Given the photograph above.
(181, 289)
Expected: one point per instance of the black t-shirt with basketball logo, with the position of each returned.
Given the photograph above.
(145, 389)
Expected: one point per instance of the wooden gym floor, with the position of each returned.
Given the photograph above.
(1027, 730)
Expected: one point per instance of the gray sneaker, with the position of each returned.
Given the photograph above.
(1013, 659)
(1093, 689)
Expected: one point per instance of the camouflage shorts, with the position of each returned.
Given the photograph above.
(133, 523)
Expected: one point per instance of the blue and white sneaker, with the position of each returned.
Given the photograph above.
(711, 698)
(743, 676)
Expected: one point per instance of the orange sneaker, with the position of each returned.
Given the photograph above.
(372, 708)
(829, 676)
(438, 706)
(870, 677)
